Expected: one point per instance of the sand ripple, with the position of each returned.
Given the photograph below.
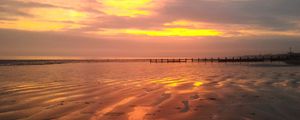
(141, 91)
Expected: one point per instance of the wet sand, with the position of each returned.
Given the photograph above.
(143, 91)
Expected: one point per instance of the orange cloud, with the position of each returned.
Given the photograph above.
(57, 14)
(186, 23)
(36, 25)
(46, 19)
(178, 28)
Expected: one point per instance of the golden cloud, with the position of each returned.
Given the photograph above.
(166, 32)
(46, 19)
(129, 8)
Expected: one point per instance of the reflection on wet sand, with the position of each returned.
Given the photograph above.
(121, 91)
(138, 113)
(169, 81)
(197, 84)
(100, 113)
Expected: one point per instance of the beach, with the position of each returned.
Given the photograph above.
(150, 91)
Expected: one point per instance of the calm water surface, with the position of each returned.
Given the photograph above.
(144, 91)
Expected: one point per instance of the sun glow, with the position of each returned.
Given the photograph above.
(182, 32)
(129, 8)
(167, 32)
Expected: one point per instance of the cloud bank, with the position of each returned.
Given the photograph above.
(162, 27)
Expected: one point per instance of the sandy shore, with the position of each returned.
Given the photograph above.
(142, 91)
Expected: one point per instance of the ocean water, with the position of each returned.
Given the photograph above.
(144, 91)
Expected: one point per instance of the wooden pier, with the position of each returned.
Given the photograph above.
(240, 59)
(290, 58)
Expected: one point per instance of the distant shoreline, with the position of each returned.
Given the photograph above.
(47, 62)
(66, 61)
(287, 57)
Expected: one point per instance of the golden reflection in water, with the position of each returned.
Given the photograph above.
(173, 82)
(198, 83)
(193, 89)
(111, 107)
(138, 113)
(170, 82)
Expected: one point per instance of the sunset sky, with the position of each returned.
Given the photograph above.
(147, 28)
